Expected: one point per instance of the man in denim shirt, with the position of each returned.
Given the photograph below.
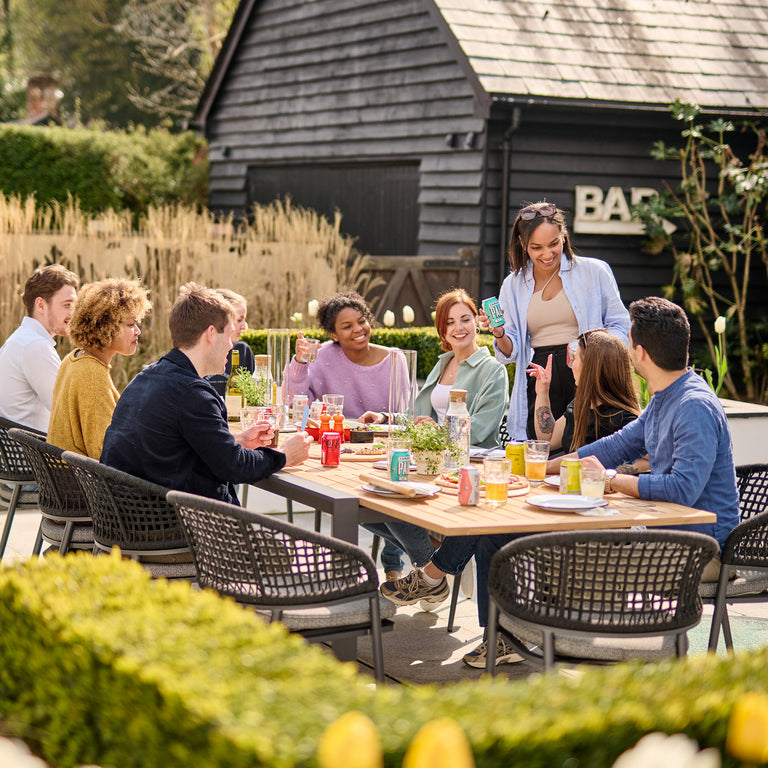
(683, 429)
(170, 425)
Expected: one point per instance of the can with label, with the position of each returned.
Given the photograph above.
(492, 308)
(330, 449)
(469, 486)
(569, 476)
(515, 453)
(399, 465)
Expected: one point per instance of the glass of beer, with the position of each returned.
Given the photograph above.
(592, 482)
(536, 454)
(496, 475)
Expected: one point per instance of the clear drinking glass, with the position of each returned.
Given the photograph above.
(496, 477)
(592, 482)
(402, 386)
(333, 404)
(536, 454)
(312, 351)
(279, 351)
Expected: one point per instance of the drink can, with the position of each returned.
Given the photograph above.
(330, 449)
(399, 465)
(469, 486)
(515, 453)
(492, 308)
(569, 476)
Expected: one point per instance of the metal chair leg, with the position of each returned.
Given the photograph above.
(66, 537)
(38, 545)
(492, 638)
(377, 642)
(289, 509)
(720, 614)
(375, 544)
(318, 521)
(727, 632)
(9, 518)
(454, 600)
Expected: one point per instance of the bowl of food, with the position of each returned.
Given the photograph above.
(361, 434)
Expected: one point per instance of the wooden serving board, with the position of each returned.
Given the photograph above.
(314, 453)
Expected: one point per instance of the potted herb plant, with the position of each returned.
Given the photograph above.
(429, 444)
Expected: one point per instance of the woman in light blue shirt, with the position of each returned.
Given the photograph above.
(550, 298)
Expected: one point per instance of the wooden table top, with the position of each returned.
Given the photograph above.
(444, 514)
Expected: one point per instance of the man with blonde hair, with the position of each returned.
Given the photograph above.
(28, 359)
(170, 426)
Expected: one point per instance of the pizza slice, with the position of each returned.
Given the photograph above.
(451, 480)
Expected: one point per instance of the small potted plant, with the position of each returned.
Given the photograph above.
(429, 444)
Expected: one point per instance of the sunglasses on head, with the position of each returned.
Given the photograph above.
(573, 346)
(532, 211)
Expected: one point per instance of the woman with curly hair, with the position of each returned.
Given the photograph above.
(105, 322)
(348, 365)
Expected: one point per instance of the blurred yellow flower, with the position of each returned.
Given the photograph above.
(439, 742)
(747, 737)
(351, 741)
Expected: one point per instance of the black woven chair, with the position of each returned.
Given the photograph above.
(320, 587)
(598, 596)
(133, 514)
(15, 472)
(65, 522)
(746, 551)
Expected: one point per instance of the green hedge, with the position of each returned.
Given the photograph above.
(103, 169)
(99, 664)
(425, 341)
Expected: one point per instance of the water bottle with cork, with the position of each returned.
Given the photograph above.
(459, 425)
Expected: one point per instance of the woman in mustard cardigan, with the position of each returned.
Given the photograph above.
(105, 322)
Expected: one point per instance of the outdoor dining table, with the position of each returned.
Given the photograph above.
(338, 491)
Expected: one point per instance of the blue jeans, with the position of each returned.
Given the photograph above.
(414, 540)
(456, 551)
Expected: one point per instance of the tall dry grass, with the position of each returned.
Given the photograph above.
(278, 261)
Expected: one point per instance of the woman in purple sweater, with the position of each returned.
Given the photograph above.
(348, 365)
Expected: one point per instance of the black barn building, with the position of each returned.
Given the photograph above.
(428, 122)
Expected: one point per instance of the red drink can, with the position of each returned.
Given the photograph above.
(469, 486)
(330, 449)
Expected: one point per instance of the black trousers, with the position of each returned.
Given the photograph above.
(562, 389)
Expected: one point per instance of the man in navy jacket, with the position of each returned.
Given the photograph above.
(170, 425)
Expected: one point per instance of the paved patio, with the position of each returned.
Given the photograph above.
(419, 649)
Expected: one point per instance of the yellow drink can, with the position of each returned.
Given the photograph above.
(515, 454)
(569, 476)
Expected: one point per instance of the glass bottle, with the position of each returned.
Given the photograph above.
(234, 397)
(459, 427)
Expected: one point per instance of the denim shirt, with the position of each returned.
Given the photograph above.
(170, 427)
(594, 296)
(684, 431)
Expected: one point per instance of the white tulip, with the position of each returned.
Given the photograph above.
(312, 306)
(657, 750)
(408, 314)
(389, 318)
(720, 325)
(297, 317)
(433, 316)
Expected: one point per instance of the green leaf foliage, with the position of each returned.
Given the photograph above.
(103, 169)
(101, 665)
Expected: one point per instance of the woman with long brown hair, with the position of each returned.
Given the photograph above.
(605, 398)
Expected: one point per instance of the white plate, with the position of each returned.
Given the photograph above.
(422, 490)
(478, 453)
(565, 502)
(382, 464)
(552, 480)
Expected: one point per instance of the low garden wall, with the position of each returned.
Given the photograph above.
(101, 665)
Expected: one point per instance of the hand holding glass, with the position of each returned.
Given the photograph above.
(536, 453)
(306, 349)
(496, 475)
(592, 482)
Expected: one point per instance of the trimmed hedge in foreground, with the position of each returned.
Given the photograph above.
(98, 664)
(424, 340)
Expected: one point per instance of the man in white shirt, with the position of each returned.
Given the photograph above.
(28, 359)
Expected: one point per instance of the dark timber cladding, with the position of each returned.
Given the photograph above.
(336, 89)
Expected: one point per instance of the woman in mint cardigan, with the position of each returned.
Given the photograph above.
(463, 366)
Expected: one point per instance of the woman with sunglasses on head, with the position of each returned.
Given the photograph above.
(551, 296)
(605, 399)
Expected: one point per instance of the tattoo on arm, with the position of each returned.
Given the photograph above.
(544, 419)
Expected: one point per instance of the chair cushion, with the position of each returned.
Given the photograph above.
(171, 570)
(27, 499)
(324, 616)
(53, 532)
(597, 648)
(746, 583)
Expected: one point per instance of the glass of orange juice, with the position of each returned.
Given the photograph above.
(496, 474)
(536, 454)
